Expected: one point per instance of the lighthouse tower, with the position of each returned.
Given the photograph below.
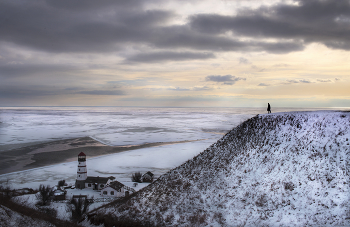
(81, 172)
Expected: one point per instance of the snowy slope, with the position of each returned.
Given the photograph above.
(11, 218)
(287, 169)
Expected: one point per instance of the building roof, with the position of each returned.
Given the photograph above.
(116, 185)
(148, 173)
(81, 154)
(99, 180)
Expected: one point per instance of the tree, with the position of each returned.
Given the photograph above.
(44, 195)
(61, 183)
(136, 177)
(79, 207)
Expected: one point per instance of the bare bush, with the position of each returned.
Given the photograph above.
(61, 183)
(45, 195)
(136, 177)
(78, 207)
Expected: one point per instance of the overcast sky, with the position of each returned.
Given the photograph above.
(187, 53)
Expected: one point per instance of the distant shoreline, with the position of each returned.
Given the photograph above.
(61, 151)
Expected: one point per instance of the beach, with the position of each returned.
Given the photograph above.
(61, 151)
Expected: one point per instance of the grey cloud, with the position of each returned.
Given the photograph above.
(227, 79)
(102, 92)
(66, 26)
(168, 55)
(298, 81)
(178, 89)
(292, 81)
(243, 61)
(310, 21)
(324, 81)
(204, 88)
(263, 85)
(305, 81)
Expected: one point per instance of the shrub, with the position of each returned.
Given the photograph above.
(78, 207)
(61, 183)
(136, 177)
(45, 195)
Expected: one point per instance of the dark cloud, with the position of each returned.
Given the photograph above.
(168, 55)
(41, 26)
(92, 4)
(26, 70)
(185, 37)
(309, 21)
(108, 26)
(69, 26)
(227, 79)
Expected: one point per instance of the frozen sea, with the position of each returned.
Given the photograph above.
(118, 126)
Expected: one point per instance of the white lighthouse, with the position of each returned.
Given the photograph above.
(81, 171)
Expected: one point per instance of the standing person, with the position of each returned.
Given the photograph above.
(268, 108)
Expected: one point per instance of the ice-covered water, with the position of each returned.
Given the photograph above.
(116, 125)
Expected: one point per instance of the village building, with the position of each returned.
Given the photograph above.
(117, 189)
(83, 181)
(60, 194)
(147, 177)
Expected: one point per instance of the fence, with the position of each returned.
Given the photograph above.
(97, 200)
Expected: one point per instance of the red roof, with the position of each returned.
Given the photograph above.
(81, 154)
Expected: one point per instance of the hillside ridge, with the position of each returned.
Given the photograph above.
(276, 169)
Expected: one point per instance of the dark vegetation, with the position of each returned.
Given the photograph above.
(78, 207)
(111, 221)
(7, 199)
(45, 195)
(61, 183)
(136, 177)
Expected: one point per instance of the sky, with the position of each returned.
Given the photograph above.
(175, 53)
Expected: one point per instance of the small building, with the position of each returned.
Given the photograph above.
(117, 189)
(59, 194)
(147, 177)
(97, 183)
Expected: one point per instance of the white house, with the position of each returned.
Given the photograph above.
(97, 183)
(117, 189)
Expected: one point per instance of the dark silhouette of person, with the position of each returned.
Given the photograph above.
(268, 108)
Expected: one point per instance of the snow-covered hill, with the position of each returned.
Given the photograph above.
(278, 170)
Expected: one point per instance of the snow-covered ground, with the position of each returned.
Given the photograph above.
(122, 165)
(286, 169)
